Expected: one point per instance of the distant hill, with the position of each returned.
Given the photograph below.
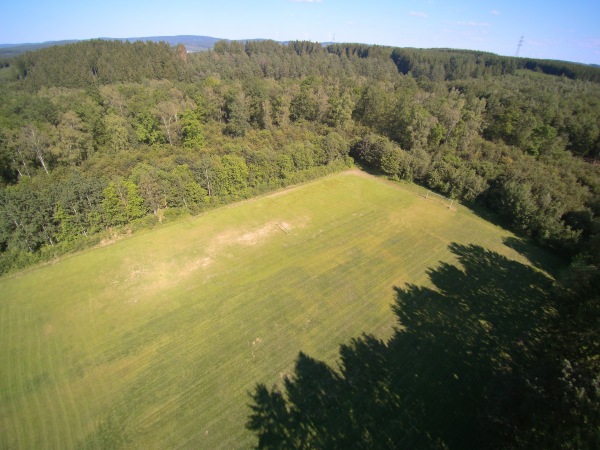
(8, 50)
(192, 43)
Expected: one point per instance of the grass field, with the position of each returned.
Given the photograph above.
(158, 338)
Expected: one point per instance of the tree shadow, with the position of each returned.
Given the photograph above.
(430, 385)
(539, 257)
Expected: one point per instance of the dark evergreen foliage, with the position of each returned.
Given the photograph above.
(99, 62)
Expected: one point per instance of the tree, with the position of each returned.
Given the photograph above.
(134, 206)
(207, 167)
(232, 176)
(577, 337)
(15, 155)
(255, 90)
(75, 144)
(340, 110)
(304, 105)
(113, 207)
(391, 158)
(285, 165)
(237, 114)
(8, 165)
(28, 214)
(185, 191)
(280, 110)
(37, 143)
(122, 203)
(302, 154)
(168, 112)
(152, 185)
(114, 100)
(412, 125)
(117, 132)
(148, 129)
(372, 106)
(371, 149)
(335, 146)
(78, 207)
(192, 129)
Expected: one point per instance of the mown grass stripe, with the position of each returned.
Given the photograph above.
(170, 329)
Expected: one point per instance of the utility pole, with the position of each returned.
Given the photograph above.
(519, 45)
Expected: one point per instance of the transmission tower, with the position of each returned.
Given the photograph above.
(519, 45)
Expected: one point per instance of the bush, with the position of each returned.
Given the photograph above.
(146, 222)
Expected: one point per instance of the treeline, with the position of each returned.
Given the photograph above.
(526, 110)
(104, 62)
(79, 165)
(481, 132)
(479, 142)
(562, 68)
(43, 217)
(449, 64)
(446, 64)
(99, 62)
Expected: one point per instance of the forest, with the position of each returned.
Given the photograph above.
(101, 138)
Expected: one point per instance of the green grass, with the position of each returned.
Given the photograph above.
(158, 338)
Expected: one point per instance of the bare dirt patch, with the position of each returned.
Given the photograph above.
(255, 236)
(360, 173)
(164, 275)
(252, 237)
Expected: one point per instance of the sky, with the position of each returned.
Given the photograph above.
(564, 30)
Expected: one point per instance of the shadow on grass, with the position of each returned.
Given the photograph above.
(539, 257)
(429, 385)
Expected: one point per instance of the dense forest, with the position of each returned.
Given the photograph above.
(100, 138)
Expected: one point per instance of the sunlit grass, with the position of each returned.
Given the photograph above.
(158, 338)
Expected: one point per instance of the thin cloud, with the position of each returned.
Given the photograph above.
(418, 14)
(543, 42)
(471, 23)
(495, 12)
(589, 43)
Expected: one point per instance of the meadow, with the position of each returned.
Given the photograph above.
(156, 340)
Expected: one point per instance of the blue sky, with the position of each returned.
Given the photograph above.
(567, 30)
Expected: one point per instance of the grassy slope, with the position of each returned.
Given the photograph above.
(165, 332)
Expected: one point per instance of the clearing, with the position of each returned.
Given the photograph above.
(157, 339)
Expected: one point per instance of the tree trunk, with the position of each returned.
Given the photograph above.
(208, 187)
(40, 157)
(17, 169)
(17, 224)
(23, 162)
(167, 124)
(48, 236)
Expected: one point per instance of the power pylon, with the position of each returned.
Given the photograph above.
(519, 45)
